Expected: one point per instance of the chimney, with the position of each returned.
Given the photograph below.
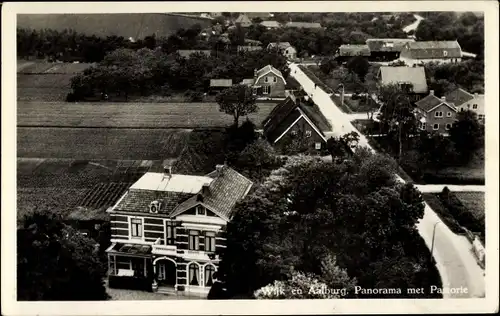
(219, 169)
(167, 170)
(431, 92)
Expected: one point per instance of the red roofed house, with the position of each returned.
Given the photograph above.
(166, 228)
(464, 101)
(293, 118)
(435, 114)
(416, 53)
(267, 82)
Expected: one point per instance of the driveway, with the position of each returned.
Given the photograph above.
(454, 260)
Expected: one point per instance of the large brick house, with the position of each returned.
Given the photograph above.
(417, 53)
(296, 118)
(267, 82)
(435, 114)
(166, 228)
(410, 79)
(464, 101)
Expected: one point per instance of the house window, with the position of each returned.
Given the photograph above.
(462, 110)
(266, 80)
(136, 227)
(317, 146)
(468, 106)
(474, 106)
(445, 53)
(171, 233)
(209, 275)
(275, 79)
(422, 125)
(266, 89)
(448, 126)
(194, 240)
(194, 274)
(438, 114)
(200, 210)
(448, 114)
(210, 241)
(435, 127)
(308, 133)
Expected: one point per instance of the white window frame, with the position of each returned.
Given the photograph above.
(210, 236)
(131, 236)
(438, 112)
(201, 207)
(266, 89)
(308, 133)
(448, 114)
(275, 79)
(448, 126)
(317, 146)
(434, 126)
(266, 79)
(196, 238)
(445, 53)
(474, 106)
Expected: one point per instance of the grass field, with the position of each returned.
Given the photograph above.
(98, 143)
(133, 115)
(474, 202)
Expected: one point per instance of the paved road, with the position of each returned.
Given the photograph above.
(435, 188)
(414, 25)
(452, 253)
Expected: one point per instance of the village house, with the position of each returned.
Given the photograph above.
(285, 48)
(303, 25)
(435, 114)
(409, 79)
(417, 53)
(297, 117)
(347, 51)
(243, 21)
(386, 49)
(464, 101)
(271, 24)
(267, 82)
(166, 228)
(217, 85)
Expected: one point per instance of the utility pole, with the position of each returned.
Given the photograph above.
(433, 235)
(341, 94)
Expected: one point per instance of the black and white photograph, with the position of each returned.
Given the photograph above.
(213, 158)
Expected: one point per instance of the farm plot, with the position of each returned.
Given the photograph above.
(43, 87)
(474, 202)
(97, 143)
(131, 115)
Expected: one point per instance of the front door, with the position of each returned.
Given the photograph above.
(167, 273)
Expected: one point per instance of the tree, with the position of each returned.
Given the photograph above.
(57, 263)
(257, 160)
(359, 65)
(467, 134)
(237, 101)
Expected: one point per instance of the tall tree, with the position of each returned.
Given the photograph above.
(237, 101)
(467, 134)
(56, 263)
(359, 65)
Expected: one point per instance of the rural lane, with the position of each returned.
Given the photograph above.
(456, 264)
(436, 188)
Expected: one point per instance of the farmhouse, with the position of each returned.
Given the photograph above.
(220, 84)
(464, 100)
(409, 79)
(386, 49)
(296, 117)
(267, 81)
(435, 114)
(285, 48)
(416, 53)
(166, 228)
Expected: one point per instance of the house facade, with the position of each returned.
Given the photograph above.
(285, 48)
(435, 115)
(267, 82)
(410, 79)
(417, 53)
(464, 101)
(296, 119)
(166, 229)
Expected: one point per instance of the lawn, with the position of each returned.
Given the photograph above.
(100, 143)
(474, 202)
(132, 115)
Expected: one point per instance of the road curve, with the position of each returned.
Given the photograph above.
(456, 264)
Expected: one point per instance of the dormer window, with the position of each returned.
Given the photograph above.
(200, 210)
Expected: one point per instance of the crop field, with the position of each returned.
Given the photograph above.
(100, 143)
(474, 202)
(133, 115)
(45, 87)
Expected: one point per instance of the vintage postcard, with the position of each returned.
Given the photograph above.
(253, 157)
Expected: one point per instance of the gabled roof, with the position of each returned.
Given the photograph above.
(458, 97)
(279, 45)
(387, 44)
(227, 188)
(354, 50)
(136, 200)
(412, 75)
(270, 24)
(430, 102)
(267, 69)
(242, 18)
(308, 25)
(221, 82)
(287, 113)
(432, 50)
